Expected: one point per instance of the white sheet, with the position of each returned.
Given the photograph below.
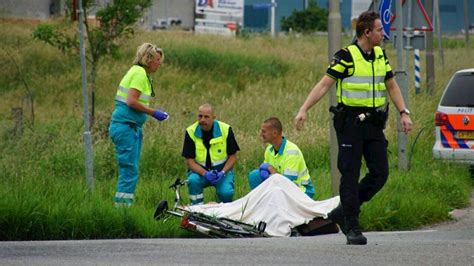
(277, 201)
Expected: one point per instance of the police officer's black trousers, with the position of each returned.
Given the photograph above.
(357, 139)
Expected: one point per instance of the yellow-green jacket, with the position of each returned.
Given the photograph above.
(366, 87)
(289, 161)
(218, 144)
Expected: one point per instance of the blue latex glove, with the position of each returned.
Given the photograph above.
(264, 166)
(220, 175)
(264, 172)
(264, 175)
(160, 115)
(212, 177)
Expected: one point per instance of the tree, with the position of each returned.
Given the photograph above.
(309, 20)
(113, 22)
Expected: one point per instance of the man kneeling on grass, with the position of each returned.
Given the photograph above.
(210, 151)
(281, 156)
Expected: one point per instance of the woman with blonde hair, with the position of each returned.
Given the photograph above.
(132, 105)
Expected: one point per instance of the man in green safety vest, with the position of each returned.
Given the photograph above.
(210, 151)
(364, 77)
(281, 156)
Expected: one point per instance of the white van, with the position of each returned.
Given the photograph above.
(166, 23)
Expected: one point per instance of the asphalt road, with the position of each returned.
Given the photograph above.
(446, 244)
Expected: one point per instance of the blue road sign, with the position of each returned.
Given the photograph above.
(262, 5)
(202, 3)
(386, 16)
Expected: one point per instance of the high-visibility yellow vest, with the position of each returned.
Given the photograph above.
(136, 78)
(366, 87)
(289, 161)
(218, 144)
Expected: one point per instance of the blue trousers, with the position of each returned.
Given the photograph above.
(128, 144)
(255, 180)
(197, 183)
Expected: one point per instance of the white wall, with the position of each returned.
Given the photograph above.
(40, 9)
(29, 9)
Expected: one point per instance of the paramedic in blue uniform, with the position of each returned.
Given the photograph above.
(363, 79)
(281, 156)
(132, 107)
(210, 151)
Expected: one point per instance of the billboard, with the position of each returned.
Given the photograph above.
(357, 7)
(219, 16)
(220, 6)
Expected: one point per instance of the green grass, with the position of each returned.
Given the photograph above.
(42, 183)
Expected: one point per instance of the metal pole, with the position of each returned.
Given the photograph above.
(334, 31)
(438, 31)
(402, 80)
(166, 14)
(466, 24)
(430, 67)
(375, 5)
(408, 47)
(272, 11)
(87, 133)
(152, 16)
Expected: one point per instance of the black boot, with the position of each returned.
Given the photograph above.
(337, 216)
(354, 235)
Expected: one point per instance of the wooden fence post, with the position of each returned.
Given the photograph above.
(17, 116)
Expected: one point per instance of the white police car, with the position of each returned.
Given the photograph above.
(454, 120)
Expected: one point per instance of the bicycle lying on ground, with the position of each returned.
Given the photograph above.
(210, 226)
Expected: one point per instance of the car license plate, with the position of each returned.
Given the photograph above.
(465, 135)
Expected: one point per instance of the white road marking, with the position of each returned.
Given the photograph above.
(400, 232)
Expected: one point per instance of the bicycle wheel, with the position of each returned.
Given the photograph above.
(244, 229)
(224, 227)
(161, 209)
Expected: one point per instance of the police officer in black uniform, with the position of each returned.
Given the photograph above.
(364, 78)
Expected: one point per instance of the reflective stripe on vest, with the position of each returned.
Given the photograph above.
(364, 80)
(122, 95)
(363, 94)
(196, 197)
(301, 178)
(366, 87)
(137, 78)
(218, 144)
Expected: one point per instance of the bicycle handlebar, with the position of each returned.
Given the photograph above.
(177, 183)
